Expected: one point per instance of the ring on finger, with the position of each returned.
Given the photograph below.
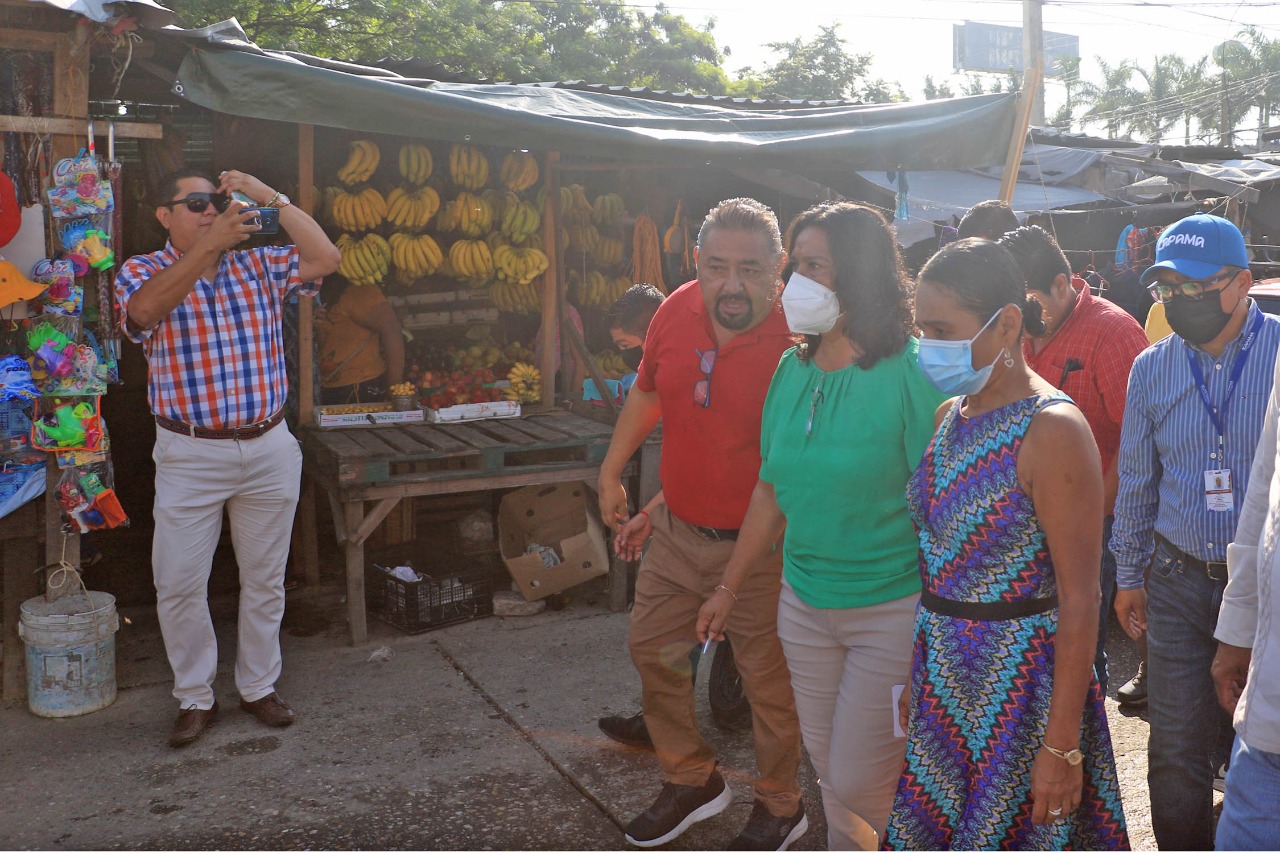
(1056, 812)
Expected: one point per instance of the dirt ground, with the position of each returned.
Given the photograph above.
(493, 712)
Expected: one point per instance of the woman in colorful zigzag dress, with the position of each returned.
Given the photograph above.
(1007, 739)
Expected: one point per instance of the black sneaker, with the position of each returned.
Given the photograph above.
(1220, 779)
(677, 808)
(1134, 694)
(766, 832)
(631, 731)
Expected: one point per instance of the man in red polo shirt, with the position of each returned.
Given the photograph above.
(709, 356)
(1087, 351)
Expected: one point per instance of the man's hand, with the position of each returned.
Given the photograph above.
(613, 503)
(1131, 607)
(1230, 671)
(247, 184)
(629, 543)
(229, 228)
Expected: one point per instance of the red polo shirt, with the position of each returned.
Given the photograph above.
(1104, 340)
(711, 454)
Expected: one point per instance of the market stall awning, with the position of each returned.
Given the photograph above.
(953, 133)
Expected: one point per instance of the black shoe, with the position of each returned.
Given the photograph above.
(1220, 779)
(766, 832)
(677, 808)
(627, 730)
(1134, 694)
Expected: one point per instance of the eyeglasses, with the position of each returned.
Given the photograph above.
(1192, 289)
(702, 388)
(199, 202)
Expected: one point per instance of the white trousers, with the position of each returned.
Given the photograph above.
(844, 664)
(257, 481)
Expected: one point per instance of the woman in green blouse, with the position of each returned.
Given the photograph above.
(846, 421)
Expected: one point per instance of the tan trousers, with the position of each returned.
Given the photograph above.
(679, 572)
(257, 482)
(844, 664)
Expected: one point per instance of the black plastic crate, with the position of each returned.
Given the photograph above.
(433, 602)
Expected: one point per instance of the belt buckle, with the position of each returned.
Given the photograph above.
(709, 533)
(1216, 571)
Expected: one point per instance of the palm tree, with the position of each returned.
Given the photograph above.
(1113, 102)
(1174, 87)
(1236, 63)
(1266, 60)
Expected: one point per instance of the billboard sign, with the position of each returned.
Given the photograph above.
(991, 47)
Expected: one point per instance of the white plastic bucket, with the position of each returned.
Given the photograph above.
(71, 653)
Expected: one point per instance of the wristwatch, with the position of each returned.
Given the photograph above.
(1071, 756)
(278, 200)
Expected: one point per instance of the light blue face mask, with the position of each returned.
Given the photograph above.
(949, 364)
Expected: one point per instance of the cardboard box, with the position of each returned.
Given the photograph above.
(474, 412)
(561, 516)
(337, 416)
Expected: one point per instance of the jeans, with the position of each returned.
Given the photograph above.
(1107, 579)
(1186, 720)
(1250, 820)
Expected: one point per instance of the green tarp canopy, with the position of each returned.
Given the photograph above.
(958, 133)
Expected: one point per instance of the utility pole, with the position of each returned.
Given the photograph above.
(1224, 130)
(1033, 55)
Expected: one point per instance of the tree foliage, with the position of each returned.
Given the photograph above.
(822, 69)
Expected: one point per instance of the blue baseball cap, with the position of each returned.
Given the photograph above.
(1198, 247)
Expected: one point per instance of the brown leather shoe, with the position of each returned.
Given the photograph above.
(191, 723)
(271, 710)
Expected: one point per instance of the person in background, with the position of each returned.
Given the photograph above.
(988, 220)
(629, 318)
(1008, 746)
(709, 354)
(1086, 351)
(1156, 328)
(1195, 410)
(217, 391)
(360, 345)
(847, 418)
(1246, 667)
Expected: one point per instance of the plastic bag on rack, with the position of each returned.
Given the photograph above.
(66, 423)
(87, 502)
(20, 482)
(79, 189)
(65, 295)
(16, 382)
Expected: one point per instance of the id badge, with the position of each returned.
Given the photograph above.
(1217, 491)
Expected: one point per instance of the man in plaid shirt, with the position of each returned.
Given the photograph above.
(1087, 351)
(208, 318)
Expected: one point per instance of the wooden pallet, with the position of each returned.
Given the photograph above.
(370, 461)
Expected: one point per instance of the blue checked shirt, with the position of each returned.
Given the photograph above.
(1168, 441)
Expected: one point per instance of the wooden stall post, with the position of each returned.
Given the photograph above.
(1018, 141)
(550, 280)
(306, 546)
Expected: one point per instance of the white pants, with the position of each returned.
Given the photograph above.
(257, 481)
(844, 664)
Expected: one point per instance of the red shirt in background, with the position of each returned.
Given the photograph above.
(711, 454)
(1103, 340)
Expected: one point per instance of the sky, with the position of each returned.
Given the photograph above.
(912, 38)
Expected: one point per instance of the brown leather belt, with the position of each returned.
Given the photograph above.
(1216, 572)
(239, 433)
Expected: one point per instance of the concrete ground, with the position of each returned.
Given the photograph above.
(478, 736)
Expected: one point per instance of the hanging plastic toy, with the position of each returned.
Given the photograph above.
(52, 352)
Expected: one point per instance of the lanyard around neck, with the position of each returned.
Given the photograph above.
(1219, 418)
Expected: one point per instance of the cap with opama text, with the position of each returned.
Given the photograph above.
(1197, 247)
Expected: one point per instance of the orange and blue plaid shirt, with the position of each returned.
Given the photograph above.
(217, 361)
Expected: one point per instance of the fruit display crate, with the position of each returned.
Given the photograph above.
(474, 412)
(447, 308)
(418, 606)
(364, 415)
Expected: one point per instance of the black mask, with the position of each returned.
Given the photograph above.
(631, 357)
(1196, 321)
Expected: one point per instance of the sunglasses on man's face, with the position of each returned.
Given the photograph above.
(199, 202)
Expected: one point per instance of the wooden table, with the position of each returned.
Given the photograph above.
(385, 464)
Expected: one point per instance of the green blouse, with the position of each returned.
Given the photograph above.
(838, 449)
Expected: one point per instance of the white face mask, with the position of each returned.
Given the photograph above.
(810, 308)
